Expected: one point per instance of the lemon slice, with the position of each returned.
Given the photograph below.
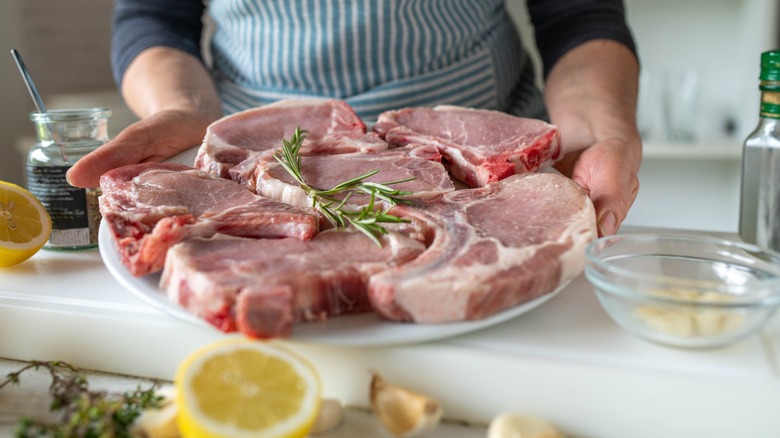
(25, 226)
(240, 387)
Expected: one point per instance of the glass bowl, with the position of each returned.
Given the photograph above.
(684, 290)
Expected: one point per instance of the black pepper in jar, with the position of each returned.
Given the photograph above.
(64, 136)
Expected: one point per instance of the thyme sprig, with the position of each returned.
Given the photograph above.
(83, 413)
(332, 202)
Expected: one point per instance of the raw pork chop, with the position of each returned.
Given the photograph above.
(480, 146)
(261, 287)
(490, 249)
(149, 207)
(235, 142)
(326, 171)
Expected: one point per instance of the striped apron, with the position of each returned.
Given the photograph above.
(374, 54)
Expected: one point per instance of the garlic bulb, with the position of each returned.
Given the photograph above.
(330, 416)
(521, 426)
(402, 412)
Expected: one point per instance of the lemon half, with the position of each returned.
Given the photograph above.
(241, 387)
(25, 225)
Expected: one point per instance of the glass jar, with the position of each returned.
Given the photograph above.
(64, 137)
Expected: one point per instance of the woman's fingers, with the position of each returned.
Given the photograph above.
(156, 138)
(608, 173)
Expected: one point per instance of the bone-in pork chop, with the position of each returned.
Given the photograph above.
(480, 146)
(150, 207)
(261, 287)
(232, 144)
(490, 249)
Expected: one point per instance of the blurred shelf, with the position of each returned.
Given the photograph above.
(710, 150)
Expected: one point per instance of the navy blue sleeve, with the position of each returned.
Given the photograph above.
(560, 25)
(140, 24)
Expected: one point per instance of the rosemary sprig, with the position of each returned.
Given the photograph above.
(331, 202)
(83, 413)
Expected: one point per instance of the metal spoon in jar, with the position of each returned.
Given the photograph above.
(36, 97)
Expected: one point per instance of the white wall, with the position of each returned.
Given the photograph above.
(721, 40)
(688, 193)
(696, 186)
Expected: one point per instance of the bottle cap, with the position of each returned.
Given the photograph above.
(770, 66)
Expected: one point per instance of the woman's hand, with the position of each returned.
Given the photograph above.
(607, 171)
(175, 97)
(591, 96)
(155, 138)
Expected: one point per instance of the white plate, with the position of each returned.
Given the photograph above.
(362, 330)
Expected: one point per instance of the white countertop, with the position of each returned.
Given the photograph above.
(565, 361)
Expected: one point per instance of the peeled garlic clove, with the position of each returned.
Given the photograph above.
(521, 426)
(160, 422)
(402, 412)
(668, 321)
(330, 416)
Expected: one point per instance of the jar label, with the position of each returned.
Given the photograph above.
(67, 206)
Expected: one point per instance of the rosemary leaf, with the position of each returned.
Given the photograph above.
(332, 203)
(371, 232)
(335, 218)
(384, 186)
(351, 182)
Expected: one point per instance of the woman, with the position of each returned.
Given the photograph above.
(379, 55)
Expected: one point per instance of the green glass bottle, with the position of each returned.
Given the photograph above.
(759, 218)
